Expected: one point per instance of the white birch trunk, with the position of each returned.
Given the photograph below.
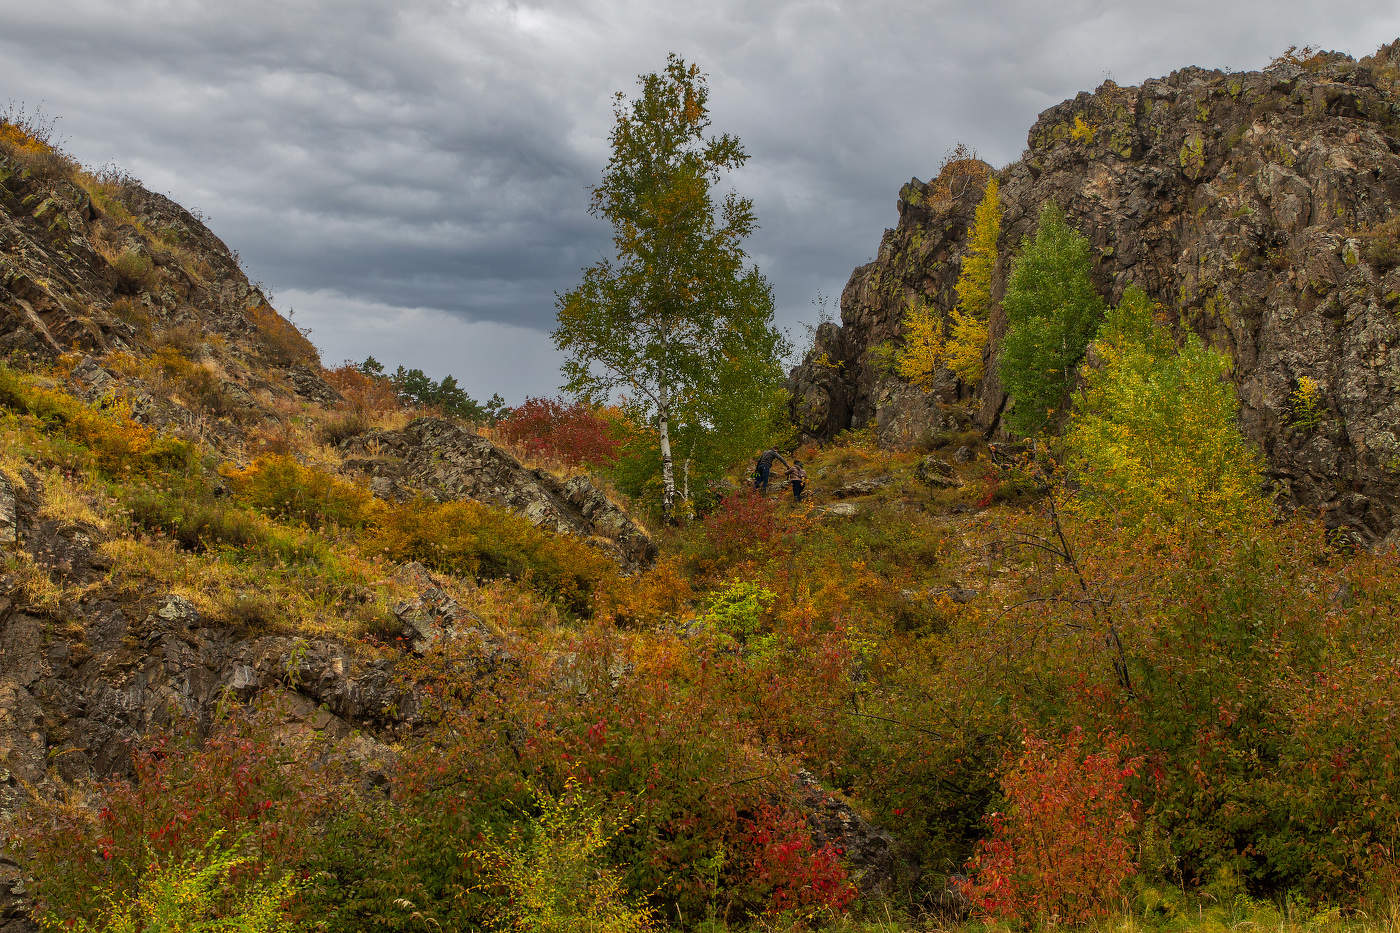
(668, 476)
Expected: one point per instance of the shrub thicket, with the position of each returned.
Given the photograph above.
(569, 434)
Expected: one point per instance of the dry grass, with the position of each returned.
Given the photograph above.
(68, 500)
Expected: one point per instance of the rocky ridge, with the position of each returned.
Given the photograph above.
(442, 460)
(1260, 209)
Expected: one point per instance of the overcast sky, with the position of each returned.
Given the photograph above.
(411, 176)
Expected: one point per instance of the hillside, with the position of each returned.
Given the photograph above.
(1260, 209)
(282, 649)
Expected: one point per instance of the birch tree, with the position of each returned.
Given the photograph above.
(664, 318)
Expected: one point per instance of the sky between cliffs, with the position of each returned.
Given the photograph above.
(411, 177)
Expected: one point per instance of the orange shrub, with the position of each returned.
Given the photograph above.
(473, 540)
(363, 393)
(282, 341)
(285, 489)
(1064, 847)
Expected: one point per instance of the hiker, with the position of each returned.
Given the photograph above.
(798, 477)
(765, 467)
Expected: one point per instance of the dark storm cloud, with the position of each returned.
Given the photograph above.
(412, 176)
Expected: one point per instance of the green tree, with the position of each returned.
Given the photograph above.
(1052, 312)
(667, 319)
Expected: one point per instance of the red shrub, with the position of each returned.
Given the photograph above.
(1064, 847)
(797, 874)
(239, 781)
(991, 485)
(570, 434)
(742, 519)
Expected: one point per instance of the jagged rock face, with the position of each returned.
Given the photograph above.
(443, 461)
(1253, 206)
(61, 289)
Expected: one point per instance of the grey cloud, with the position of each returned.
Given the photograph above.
(426, 162)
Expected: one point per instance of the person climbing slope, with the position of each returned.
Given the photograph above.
(764, 468)
(798, 477)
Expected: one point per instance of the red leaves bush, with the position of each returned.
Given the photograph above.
(798, 875)
(743, 519)
(1064, 847)
(239, 782)
(573, 435)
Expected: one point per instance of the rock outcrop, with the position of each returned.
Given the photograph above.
(1260, 209)
(443, 461)
(99, 264)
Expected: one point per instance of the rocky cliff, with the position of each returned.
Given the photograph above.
(1261, 209)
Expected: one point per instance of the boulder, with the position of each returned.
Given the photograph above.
(865, 847)
(934, 471)
(861, 487)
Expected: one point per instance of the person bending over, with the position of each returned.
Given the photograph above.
(764, 468)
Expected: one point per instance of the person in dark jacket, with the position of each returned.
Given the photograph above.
(764, 467)
(798, 477)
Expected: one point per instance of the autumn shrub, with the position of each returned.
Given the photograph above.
(108, 438)
(473, 540)
(1154, 436)
(743, 520)
(1380, 245)
(801, 880)
(189, 512)
(364, 393)
(284, 489)
(150, 834)
(196, 382)
(570, 434)
(1052, 312)
(281, 342)
(960, 169)
(737, 613)
(198, 892)
(1064, 847)
(340, 427)
(28, 138)
(649, 597)
(551, 874)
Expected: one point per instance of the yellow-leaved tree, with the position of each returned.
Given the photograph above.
(968, 334)
(928, 344)
(1154, 437)
(918, 360)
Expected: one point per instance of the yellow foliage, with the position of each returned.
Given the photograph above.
(204, 892)
(966, 342)
(926, 345)
(281, 487)
(16, 138)
(1306, 404)
(1154, 438)
(917, 361)
(969, 331)
(554, 876)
